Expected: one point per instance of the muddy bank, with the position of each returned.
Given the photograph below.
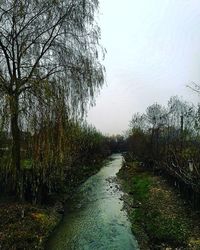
(160, 217)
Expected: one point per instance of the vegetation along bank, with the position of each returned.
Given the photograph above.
(162, 175)
(160, 218)
(50, 73)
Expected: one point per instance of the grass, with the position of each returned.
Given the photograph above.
(26, 164)
(159, 217)
(140, 187)
(23, 226)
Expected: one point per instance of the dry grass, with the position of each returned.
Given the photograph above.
(23, 226)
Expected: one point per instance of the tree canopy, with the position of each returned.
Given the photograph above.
(50, 69)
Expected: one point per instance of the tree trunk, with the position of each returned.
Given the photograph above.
(16, 155)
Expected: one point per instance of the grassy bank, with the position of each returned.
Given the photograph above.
(24, 226)
(160, 218)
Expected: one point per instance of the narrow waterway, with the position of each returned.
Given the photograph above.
(96, 219)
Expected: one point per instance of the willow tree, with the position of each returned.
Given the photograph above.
(47, 45)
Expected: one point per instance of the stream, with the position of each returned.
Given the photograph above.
(96, 218)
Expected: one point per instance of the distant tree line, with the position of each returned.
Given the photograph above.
(117, 144)
(167, 140)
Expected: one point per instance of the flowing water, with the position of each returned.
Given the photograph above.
(96, 219)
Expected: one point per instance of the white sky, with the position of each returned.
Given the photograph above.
(153, 52)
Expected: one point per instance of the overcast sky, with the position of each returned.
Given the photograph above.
(153, 52)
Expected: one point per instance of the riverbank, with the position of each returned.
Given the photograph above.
(24, 226)
(95, 218)
(160, 218)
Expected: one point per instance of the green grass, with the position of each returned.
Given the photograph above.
(140, 186)
(26, 164)
(166, 229)
(156, 216)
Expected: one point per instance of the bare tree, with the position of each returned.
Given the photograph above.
(47, 46)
